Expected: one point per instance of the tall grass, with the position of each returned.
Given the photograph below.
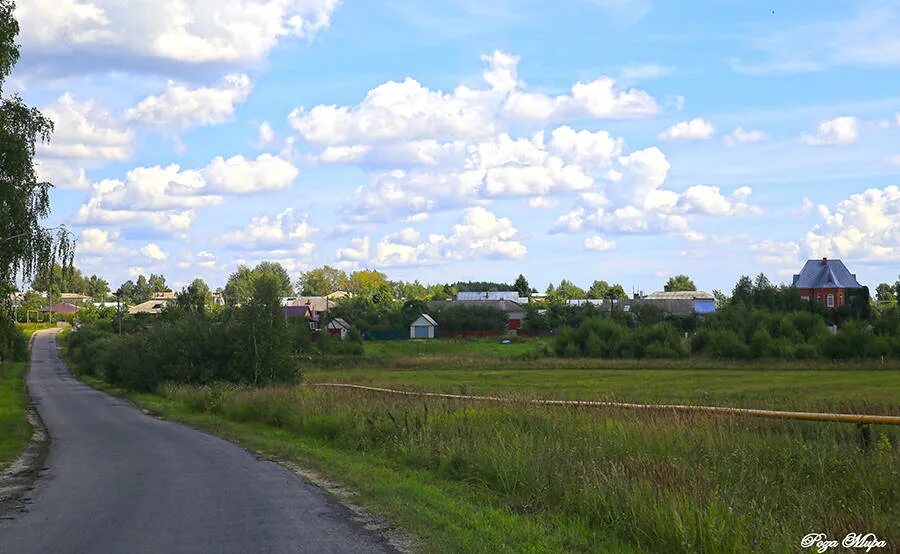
(659, 482)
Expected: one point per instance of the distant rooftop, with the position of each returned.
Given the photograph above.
(681, 295)
(825, 273)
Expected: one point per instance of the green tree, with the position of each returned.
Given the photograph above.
(522, 286)
(142, 290)
(97, 288)
(322, 281)
(885, 293)
(240, 286)
(598, 289)
(567, 290)
(195, 297)
(616, 292)
(743, 291)
(157, 283)
(265, 330)
(25, 245)
(897, 288)
(366, 282)
(127, 292)
(765, 294)
(282, 279)
(56, 278)
(679, 283)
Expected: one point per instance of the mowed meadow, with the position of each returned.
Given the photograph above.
(476, 476)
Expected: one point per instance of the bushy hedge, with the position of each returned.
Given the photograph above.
(13, 345)
(603, 337)
(468, 317)
(188, 349)
(736, 332)
(741, 332)
(250, 344)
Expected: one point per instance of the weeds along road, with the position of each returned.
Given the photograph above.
(118, 480)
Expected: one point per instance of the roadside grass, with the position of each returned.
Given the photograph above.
(15, 431)
(481, 478)
(29, 328)
(845, 390)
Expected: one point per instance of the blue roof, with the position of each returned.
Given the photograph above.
(825, 273)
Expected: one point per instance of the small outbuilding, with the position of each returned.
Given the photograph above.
(338, 328)
(423, 327)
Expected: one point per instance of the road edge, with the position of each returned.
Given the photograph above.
(19, 477)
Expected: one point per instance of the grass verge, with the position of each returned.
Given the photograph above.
(15, 431)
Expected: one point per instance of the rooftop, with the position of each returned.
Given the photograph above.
(825, 273)
(681, 295)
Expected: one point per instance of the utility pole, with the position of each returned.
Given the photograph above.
(118, 295)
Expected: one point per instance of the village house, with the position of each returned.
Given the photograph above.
(307, 312)
(826, 282)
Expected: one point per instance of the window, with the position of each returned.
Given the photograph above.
(818, 298)
(804, 298)
(840, 300)
(831, 301)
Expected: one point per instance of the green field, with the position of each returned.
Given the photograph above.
(468, 347)
(853, 391)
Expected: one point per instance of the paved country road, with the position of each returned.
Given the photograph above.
(119, 480)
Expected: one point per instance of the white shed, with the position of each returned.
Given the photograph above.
(338, 328)
(423, 327)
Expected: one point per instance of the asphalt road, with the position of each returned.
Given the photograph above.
(118, 480)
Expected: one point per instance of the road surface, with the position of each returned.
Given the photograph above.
(118, 480)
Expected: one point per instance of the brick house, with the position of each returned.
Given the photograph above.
(825, 282)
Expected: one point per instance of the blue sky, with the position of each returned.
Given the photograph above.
(624, 140)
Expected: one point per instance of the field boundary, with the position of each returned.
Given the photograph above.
(861, 419)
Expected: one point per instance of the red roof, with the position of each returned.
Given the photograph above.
(63, 308)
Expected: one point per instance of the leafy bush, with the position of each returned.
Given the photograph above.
(603, 337)
(250, 344)
(13, 344)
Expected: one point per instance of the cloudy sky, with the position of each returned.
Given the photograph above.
(624, 140)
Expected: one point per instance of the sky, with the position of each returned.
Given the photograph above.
(624, 140)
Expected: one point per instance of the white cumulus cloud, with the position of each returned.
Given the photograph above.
(864, 226)
(285, 231)
(238, 175)
(86, 136)
(695, 129)
(838, 131)
(180, 106)
(114, 32)
(153, 252)
(598, 244)
(745, 136)
(407, 110)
